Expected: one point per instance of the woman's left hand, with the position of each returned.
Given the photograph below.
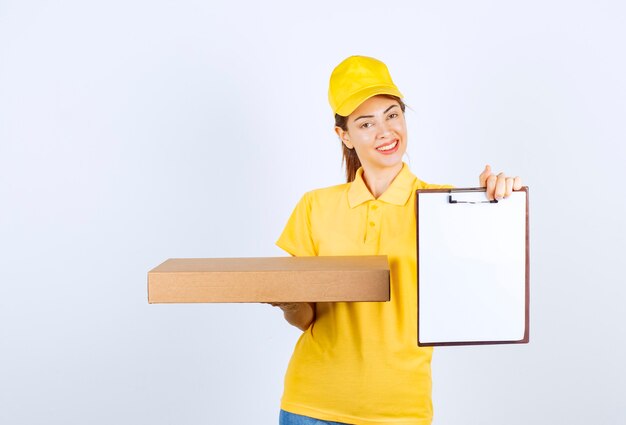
(498, 186)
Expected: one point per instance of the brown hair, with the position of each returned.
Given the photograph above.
(350, 158)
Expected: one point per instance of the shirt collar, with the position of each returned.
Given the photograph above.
(398, 192)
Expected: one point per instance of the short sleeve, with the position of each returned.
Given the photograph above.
(438, 186)
(421, 184)
(297, 237)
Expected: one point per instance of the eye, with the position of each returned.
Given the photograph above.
(366, 125)
(393, 115)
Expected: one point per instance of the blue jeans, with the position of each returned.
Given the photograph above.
(287, 418)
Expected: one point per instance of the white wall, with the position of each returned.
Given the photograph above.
(134, 131)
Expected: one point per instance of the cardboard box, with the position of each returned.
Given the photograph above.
(270, 279)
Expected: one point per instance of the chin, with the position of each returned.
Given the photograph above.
(392, 160)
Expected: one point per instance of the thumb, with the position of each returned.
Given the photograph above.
(482, 179)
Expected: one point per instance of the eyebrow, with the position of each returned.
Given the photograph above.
(372, 116)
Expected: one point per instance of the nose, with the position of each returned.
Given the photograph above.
(384, 130)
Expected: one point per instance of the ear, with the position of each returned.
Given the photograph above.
(344, 136)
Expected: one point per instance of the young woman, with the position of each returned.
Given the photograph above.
(359, 363)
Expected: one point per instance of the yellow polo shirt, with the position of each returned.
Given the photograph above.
(359, 363)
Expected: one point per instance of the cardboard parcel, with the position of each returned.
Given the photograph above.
(270, 279)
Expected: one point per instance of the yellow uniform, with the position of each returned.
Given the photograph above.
(359, 363)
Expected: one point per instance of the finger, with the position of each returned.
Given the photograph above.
(280, 305)
(500, 186)
(509, 187)
(517, 183)
(491, 186)
(482, 179)
(287, 306)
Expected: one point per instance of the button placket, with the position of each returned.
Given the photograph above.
(372, 231)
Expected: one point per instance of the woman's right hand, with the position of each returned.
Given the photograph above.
(300, 314)
(286, 306)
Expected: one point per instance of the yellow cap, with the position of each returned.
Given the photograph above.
(355, 80)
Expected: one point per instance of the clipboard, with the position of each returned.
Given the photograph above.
(473, 267)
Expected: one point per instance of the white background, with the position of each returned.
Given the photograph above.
(134, 131)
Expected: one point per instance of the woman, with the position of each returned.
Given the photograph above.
(359, 363)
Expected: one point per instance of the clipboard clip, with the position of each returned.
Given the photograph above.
(454, 201)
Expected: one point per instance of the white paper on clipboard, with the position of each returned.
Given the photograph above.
(473, 283)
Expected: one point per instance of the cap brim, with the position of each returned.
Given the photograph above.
(353, 102)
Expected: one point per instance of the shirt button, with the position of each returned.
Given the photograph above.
(372, 224)
(374, 207)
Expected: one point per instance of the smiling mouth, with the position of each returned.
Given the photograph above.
(387, 147)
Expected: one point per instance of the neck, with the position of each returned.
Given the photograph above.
(378, 180)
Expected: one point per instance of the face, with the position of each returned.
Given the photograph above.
(377, 131)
